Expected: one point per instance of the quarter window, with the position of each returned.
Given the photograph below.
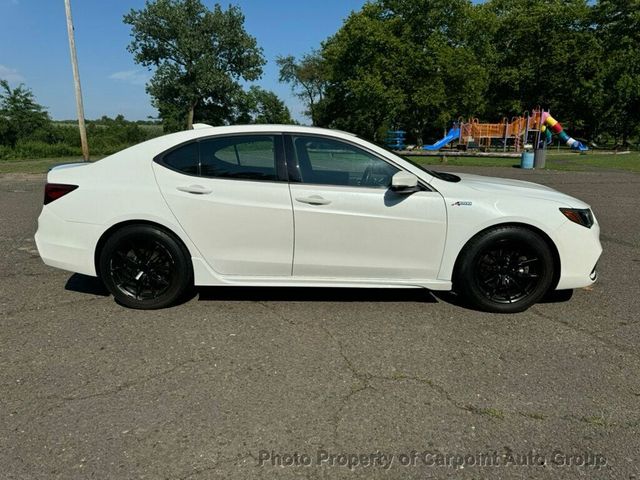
(332, 162)
(183, 159)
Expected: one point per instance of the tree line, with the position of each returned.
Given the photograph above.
(418, 65)
(27, 130)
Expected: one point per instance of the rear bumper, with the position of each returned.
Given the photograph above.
(579, 250)
(67, 245)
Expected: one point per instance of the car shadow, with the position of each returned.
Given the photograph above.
(86, 284)
(94, 286)
(314, 294)
(555, 296)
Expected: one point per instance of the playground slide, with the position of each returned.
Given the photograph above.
(555, 127)
(453, 134)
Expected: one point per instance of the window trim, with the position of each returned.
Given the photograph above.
(294, 167)
(280, 158)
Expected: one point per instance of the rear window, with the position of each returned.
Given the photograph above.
(251, 157)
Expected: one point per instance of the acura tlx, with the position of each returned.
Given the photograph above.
(281, 205)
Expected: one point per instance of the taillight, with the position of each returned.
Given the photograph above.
(53, 191)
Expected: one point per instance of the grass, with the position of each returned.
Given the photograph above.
(555, 161)
(40, 165)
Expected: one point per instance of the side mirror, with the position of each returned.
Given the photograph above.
(404, 182)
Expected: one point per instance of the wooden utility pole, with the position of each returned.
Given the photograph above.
(76, 81)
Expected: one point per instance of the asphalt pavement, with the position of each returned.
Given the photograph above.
(320, 383)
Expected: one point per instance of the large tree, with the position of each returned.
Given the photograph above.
(264, 106)
(199, 55)
(308, 80)
(439, 69)
(408, 64)
(362, 62)
(547, 55)
(619, 30)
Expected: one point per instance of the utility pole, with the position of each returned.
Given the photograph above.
(76, 81)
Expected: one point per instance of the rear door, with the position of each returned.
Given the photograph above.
(349, 225)
(230, 195)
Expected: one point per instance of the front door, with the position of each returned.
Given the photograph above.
(349, 225)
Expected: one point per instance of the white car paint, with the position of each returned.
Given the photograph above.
(259, 233)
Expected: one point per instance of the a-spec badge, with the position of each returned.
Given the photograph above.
(461, 204)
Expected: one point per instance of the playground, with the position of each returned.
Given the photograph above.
(530, 132)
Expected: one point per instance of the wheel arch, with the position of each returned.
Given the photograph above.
(550, 243)
(126, 223)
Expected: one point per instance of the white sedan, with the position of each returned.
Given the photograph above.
(276, 205)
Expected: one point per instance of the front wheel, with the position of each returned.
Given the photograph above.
(145, 267)
(504, 270)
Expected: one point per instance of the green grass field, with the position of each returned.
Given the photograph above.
(555, 161)
(40, 165)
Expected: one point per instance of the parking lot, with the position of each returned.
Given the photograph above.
(235, 382)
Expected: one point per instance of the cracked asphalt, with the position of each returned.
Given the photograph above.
(210, 388)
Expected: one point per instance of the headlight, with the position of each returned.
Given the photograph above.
(581, 216)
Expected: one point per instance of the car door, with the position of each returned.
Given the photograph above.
(230, 195)
(350, 225)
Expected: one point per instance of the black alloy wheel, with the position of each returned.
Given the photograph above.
(505, 269)
(508, 272)
(145, 267)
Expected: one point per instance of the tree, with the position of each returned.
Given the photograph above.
(546, 54)
(308, 79)
(199, 56)
(439, 71)
(20, 114)
(263, 106)
(409, 64)
(619, 29)
(362, 95)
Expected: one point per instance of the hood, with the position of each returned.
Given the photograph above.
(503, 187)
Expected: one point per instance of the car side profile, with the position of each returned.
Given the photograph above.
(282, 205)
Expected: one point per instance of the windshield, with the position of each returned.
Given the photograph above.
(447, 177)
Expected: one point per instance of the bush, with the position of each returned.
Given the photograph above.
(57, 139)
(37, 149)
(5, 152)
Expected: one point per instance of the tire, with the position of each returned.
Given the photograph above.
(145, 267)
(504, 270)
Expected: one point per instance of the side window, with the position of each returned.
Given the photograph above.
(184, 159)
(251, 157)
(332, 162)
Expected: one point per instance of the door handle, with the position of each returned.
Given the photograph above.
(313, 200)
(197, 189)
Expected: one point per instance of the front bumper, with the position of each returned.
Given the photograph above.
(579, 250)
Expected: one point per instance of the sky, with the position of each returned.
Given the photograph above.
(34, 49)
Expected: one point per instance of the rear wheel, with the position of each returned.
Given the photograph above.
(505, 270)
(145, 267)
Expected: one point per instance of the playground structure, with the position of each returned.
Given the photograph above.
(535, 128)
